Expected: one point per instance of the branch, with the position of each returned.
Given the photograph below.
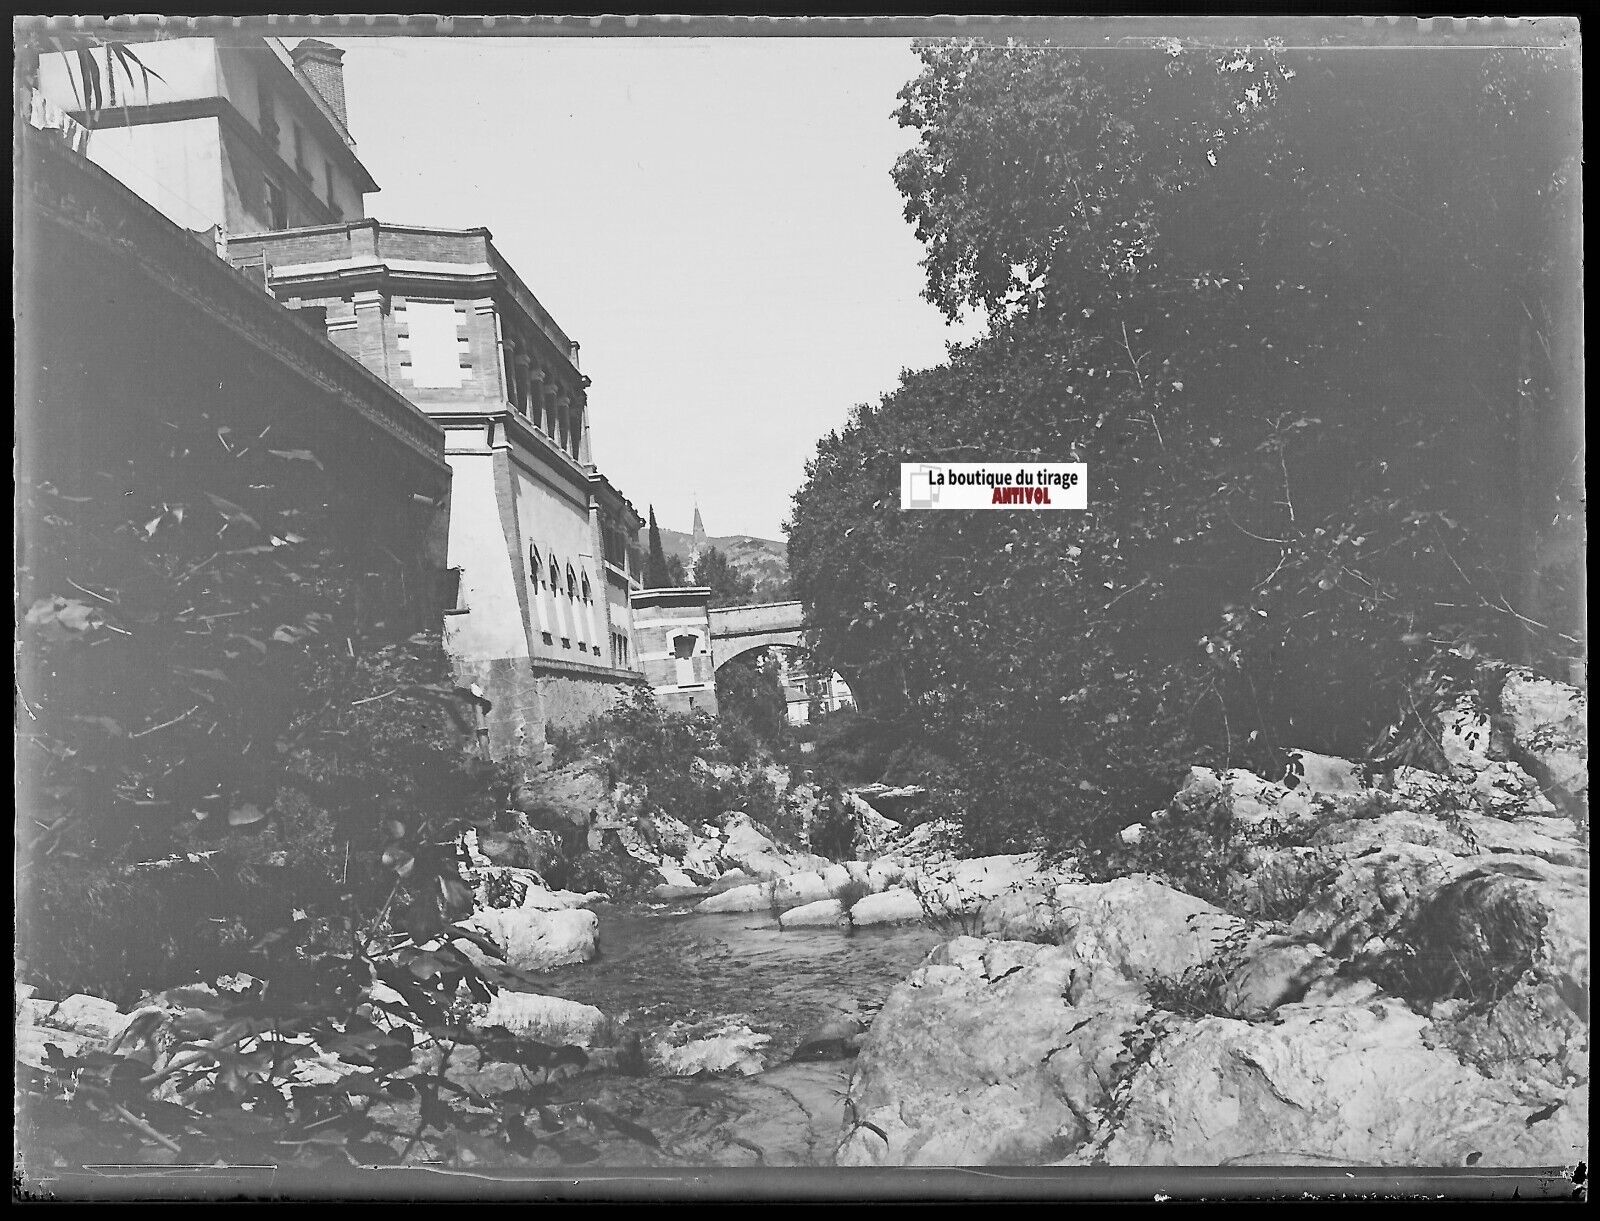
(144, 732)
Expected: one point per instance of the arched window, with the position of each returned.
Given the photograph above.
(572, 582)
(555, 576)
(587, 596)
(534, 565)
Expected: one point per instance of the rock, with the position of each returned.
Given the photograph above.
(1357, 1084)
(937, 840)
(501, 887)
(898, 802)
(1239, 797)
(898, 905)
(672, 894)
(799, 889)
(576, 795)
(873, 830)
(750, 898)
(1132, 834)
(979, 1058)
(730, 880)
(1549, 725)
(544, 1019)
(93, 1018)
(828, 913)
(1325, 774)
(537, 940)
(1272, 970)
(836, 1039)
(718, 1046)
(1463, 834)
(610, 868)
(1370, 894)
(77, 1025)
(1139, 926)
(1509, 939)
(1502, 788)
(746, 848)
(785, 1116)
(675, 877)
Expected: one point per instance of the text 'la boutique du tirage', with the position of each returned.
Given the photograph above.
(994, 485)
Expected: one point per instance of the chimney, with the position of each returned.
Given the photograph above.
(324, 67)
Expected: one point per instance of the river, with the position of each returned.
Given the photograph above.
(660, 963)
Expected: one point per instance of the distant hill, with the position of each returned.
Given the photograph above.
(764, 560)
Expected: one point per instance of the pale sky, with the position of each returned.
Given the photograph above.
(712, 219)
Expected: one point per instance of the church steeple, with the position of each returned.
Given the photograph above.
(699, 531)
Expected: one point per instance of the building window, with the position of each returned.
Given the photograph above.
(433, 339)
(333, 200)
(683, 658)
(534, 565)
(587, 595)
(300, 153)
(555, 576)
(269, 119)
(572, 583)
(277, 204)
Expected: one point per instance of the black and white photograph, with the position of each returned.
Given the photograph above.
(656, 607)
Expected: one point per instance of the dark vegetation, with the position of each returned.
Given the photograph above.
(1310, 319)
(694, 766)
(240, 749)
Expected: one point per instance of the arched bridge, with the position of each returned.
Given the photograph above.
(738, 629)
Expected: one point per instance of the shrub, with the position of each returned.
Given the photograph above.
(852, 892)
(833, 831)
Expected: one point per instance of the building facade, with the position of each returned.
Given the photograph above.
(673, 627)
(239, 134)
(246, 140)
(543, 623)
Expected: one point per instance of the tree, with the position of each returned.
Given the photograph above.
(656, 574)
(729, 586)
(748, 689)
(1208, 275)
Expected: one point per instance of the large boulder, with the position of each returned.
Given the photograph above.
(77, 1025)
(1506, 945)
(1138, 925)
(544, 1019)
(536, 940)
(896, 905)
(1480, 760)
(1549, 727)
(826, 913)
(1355, 1084)
(745, 847)
(986, 1056)
(566, 799)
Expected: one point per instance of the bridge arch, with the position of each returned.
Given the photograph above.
(736, 630)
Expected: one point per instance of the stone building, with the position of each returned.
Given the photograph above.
(239, 133)
(539, 535)
(131, 332)
(674, 634)
(247, 138)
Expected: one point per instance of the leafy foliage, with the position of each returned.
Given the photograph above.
(729, 586)
(748, 691)
(1305, 319)
(694, 766)
(656, 573)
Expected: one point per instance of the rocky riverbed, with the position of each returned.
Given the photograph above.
(1393, 972)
